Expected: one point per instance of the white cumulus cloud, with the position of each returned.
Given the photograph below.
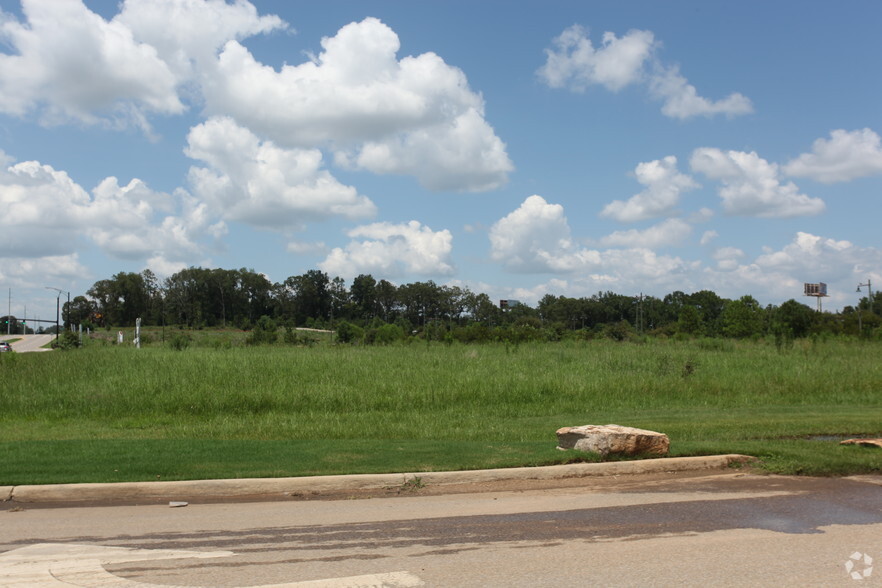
(664, 184)
(807, 258)
(59, 269)
(575, 63)
(727, 257)
(44, 213)
(187, 34)
(414, 116)
(751, 186)
(70, 64)
(681, 99)
(535, 238)
(844, 157)
(672, 231)
(392, 250)
(374, 111)
(264, 185)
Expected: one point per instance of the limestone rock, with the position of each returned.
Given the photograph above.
(612, 440)
(863, 442)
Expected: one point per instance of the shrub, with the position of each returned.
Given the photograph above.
(620, 331)
(349, 333)
(388, 334)
(67, 340)
(179, 341)
(264, 332)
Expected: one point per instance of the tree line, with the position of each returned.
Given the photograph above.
(241, 298)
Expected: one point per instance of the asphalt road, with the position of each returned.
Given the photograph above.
(689, 529)
(27, 343)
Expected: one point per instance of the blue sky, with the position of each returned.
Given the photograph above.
(517, 149)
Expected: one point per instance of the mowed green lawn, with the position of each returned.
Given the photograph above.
(107, 413)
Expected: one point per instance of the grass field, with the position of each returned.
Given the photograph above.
(108, 413)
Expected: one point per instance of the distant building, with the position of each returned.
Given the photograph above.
(506, 304)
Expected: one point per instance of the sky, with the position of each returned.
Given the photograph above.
(515, 148)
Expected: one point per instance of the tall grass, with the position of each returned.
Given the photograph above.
(702, 393)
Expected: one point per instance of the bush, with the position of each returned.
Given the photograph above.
(388, 334)
(292, 337)
(67, 340)
(179, 341)
(474, 333)
(349, 333)
(264, 332)
(620, 331)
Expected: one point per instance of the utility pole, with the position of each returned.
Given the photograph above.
(57, 308)
(869, 299)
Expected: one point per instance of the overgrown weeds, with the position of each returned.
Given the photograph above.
(703, 395)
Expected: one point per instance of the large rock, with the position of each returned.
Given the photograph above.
(863, 442)
(612, 440)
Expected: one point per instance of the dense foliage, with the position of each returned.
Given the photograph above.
(380, 312)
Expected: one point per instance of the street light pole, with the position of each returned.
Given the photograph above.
(57, 308)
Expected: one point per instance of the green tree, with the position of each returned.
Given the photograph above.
(742, 318)
(793, 319)
(121, 299)
(79, 311)
(308, 297)
(690, 321)
(264, 332)
(363, 294)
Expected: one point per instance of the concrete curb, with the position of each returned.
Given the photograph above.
(206, 490)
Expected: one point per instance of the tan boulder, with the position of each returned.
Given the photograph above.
(863, 442)
(612, 440)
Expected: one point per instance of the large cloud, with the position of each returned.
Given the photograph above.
(536, 238)
(752, 185)
(392, 251)
(663, 187)
(264, 185)
(412, 116)
(576, 64)
(70, 64)
(844, 157)
(45, 214)
(22, 271)
(187, 34)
